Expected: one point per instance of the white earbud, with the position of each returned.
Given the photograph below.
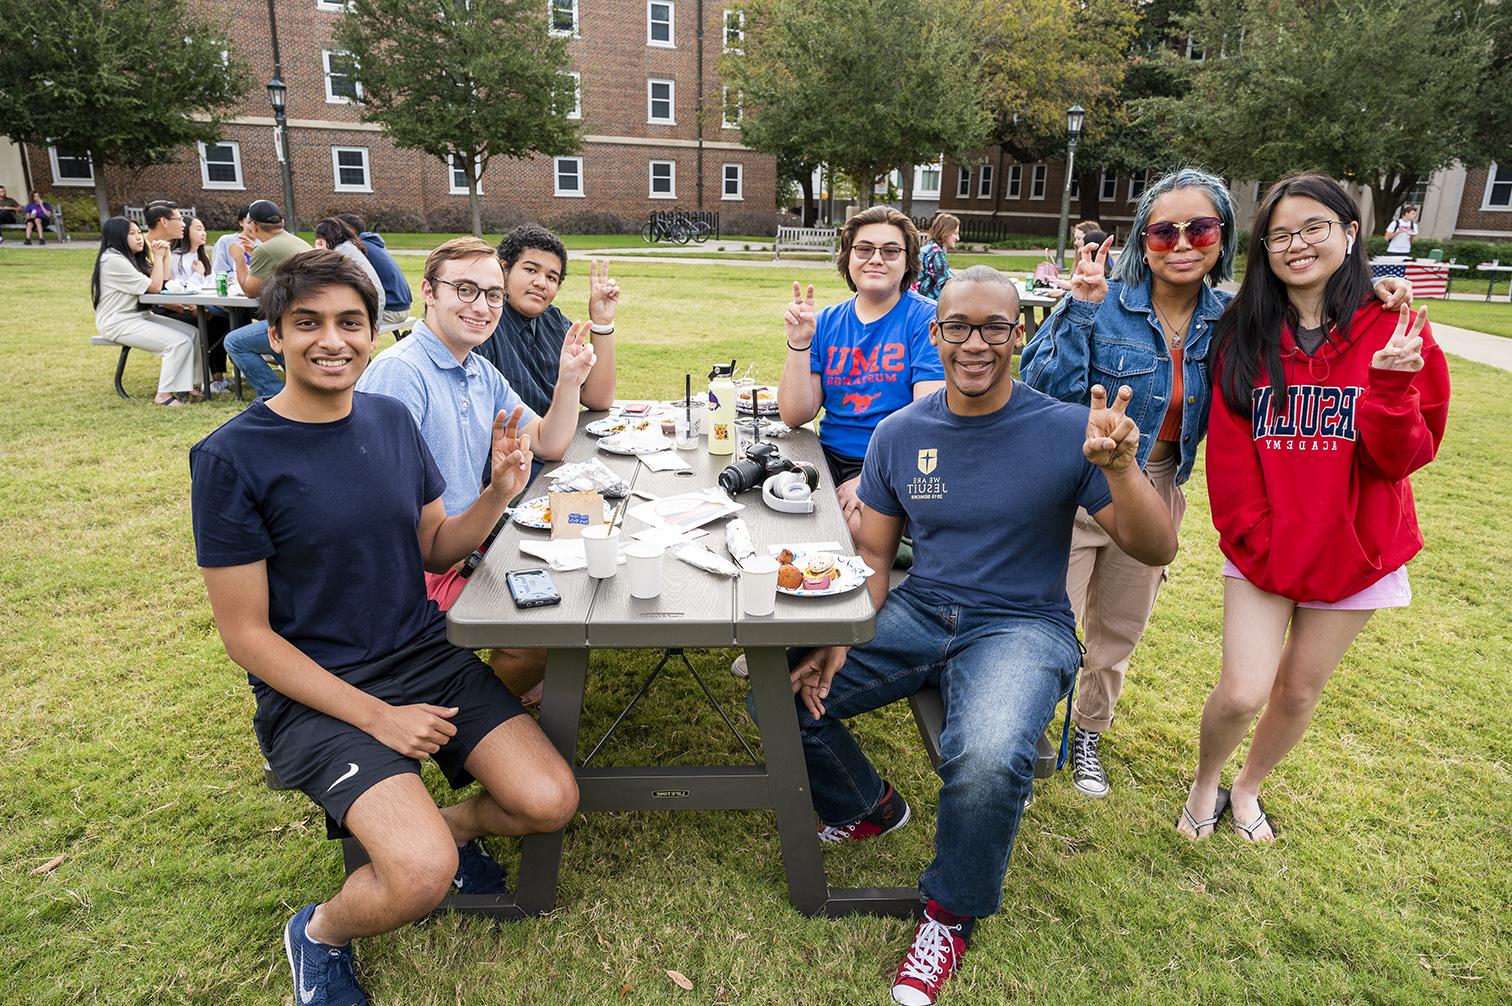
(1348, 248)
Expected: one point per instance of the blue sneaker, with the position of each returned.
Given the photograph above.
(323, 975)
(477, 871)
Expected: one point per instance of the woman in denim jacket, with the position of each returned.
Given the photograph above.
(1150, 327)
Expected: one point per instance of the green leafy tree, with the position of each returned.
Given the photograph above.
(134, 82)
(465, 81)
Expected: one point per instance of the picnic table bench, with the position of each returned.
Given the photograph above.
(825, 239)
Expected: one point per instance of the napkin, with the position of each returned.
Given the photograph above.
(562, 555)
(806, 546)
(665, 461)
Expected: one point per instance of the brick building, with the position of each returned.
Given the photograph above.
(646, 145)
(993, 192)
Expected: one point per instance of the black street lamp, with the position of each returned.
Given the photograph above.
(1075, 117)
(277, 96)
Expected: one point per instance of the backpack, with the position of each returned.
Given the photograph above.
(1047, 270)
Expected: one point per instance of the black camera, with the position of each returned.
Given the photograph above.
(761, 462)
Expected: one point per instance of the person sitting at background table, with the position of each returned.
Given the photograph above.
(191, 267)
(229, 245)
(121, 275)
(263, 251)
(338, 236)
(315, 513)
(934, 268)
(527, 345)
(982, 615)
(397, 297)
(39, 214)
(452, 393)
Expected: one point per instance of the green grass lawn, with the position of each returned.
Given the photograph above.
(1492, 317)
(129, 750)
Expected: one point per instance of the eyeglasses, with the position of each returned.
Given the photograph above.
(1201, 232)
(994, 333)
(864, 252)
(1314, 233)
(468, 292)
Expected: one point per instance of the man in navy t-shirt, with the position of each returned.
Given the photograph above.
(988, 474)
(316, 513)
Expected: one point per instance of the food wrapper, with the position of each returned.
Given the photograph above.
(593, 475)
(695, 554)
(738, 540)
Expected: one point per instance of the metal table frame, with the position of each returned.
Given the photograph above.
(201, 302)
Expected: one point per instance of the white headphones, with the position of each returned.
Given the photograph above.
(788, 492)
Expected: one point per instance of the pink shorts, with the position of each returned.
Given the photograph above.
(1390, 591)
(443, 588)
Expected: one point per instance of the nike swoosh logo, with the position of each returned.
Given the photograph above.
(305, 995)
(351, 771)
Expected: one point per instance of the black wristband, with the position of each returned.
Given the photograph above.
(799, 349)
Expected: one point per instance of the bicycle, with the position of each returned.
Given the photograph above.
(659, 228)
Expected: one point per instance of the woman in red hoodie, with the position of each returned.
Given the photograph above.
(1328, 404)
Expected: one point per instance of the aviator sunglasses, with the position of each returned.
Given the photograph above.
(1201, 232)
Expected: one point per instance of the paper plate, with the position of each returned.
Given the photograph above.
(636, 442)
(768, 400)
(532, 513)
(610, 425)
(853, 574)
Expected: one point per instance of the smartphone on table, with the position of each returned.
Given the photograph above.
(531, 588)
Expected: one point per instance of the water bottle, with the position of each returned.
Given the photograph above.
(722, 409)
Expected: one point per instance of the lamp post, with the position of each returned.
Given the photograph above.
(277, 95)
(1075, 116)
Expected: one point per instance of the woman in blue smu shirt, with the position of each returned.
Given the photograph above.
(866, 358)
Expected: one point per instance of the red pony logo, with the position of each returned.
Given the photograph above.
(860, 402)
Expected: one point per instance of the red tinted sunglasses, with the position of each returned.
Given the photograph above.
(1201, 232)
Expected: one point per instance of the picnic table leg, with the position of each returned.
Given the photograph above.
(201, 319)
(787, 778)
(561, 709)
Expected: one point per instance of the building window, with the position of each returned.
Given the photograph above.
(659, 101)
(341, 84)
(663, 180)
(564, 16)
(734, 182)
(963, 183)
(1109, 188)
(1137, 182)
(1498, 187)
(1037, 182)
(927, 181)
(349, 165)
(569, 176)
(1015, 181)
(220, 165)
(576, 112)
(457, 171)
(730, 101)
(1075, 187)
(334, 6)
(659, 23)
(734, 31)
(984, 183)
(71, 165)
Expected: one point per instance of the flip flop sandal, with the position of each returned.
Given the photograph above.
(1255, 825)
(168, 403)
(1220, 807)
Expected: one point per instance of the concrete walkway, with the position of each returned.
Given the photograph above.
(1477, 346)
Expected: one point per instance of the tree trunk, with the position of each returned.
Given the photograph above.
(102, 202)
(908, 179)
(810, 211)
(472, 199)
(1090, 203)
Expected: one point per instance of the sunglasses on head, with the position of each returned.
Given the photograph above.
(1201, 232)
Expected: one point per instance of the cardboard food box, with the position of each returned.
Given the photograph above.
(571, 512)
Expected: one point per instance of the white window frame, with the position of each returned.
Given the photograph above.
(671, 167)
(671, 41)
(59, 180)
(963, 182)
(1140, 178)
(556, 178)
(739, 31)
(452, 167)
(1491, 182)
(551, 6)
(577, 93)
(336, 166)
(332, 98)
(1108, 185)
(1015, 182)
(725, 104)
(724, 183)
(922, 191)
(236, 162)
(1037, 181)
(1075, 187)
(333, 6)
(984, 182)
(671, 119)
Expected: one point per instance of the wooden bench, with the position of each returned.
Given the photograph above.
(56, 226)
(824, 239)
(138, 214)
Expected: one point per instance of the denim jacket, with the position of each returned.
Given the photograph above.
(1119, 342)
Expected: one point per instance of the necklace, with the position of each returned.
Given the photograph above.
(1175, 336)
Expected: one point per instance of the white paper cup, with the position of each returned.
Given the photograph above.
(643, 565)
(758, 586)
(601, 546)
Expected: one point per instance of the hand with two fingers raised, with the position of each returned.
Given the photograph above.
(1089, 281)
(415, 731)
(510, 454)
(1112, 437)
(1404, 350)
(603, 293)
(799, 318)
(577, 357)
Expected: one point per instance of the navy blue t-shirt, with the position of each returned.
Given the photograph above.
(334, 508)
(990, 500)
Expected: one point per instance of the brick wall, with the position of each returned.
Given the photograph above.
(1471, 216)
(1024, 213)
(410, 189)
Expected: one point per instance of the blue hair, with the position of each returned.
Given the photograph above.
(1132, 269)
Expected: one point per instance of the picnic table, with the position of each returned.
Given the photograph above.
(202, 302)
(695, 609)
(1491, 269)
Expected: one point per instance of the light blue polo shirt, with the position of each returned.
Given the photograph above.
(454, 404)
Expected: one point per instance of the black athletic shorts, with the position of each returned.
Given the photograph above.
(842, 468)
(334, 763)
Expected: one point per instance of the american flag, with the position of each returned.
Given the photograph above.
(1428, 279)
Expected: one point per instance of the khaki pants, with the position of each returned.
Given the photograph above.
(1113, 596)
(177, 342)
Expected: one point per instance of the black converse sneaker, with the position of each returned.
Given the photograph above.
(1086, 767)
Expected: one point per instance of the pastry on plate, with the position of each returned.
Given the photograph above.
(819, 571)
(789, 577)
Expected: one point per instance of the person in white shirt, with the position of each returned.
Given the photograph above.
(121, 275)
(191, 269)
(1401, 231)
(229, 245)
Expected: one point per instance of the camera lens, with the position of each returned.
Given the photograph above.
(740, 476)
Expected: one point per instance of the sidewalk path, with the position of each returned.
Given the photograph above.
(1477, 346)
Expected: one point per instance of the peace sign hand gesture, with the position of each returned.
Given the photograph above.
(799, 317)
(1112, 437)
(603, 293)
(577, 357)
(1090, 280)
(1405, 349)
(511, 456)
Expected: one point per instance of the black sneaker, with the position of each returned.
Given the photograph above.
(891, 814)
(1086, 767)
(477, 871)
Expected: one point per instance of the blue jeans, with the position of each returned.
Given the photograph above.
(1001, 676)
(246, 346)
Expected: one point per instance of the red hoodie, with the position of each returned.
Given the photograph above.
(1312, 501)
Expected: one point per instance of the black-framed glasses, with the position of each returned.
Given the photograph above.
(994, 333)
(1314, 233)
(468, 292)
(864, 252)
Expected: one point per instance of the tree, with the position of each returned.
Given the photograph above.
(132, 81)
(1384, 93)
(864, 85)
(465, 81)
